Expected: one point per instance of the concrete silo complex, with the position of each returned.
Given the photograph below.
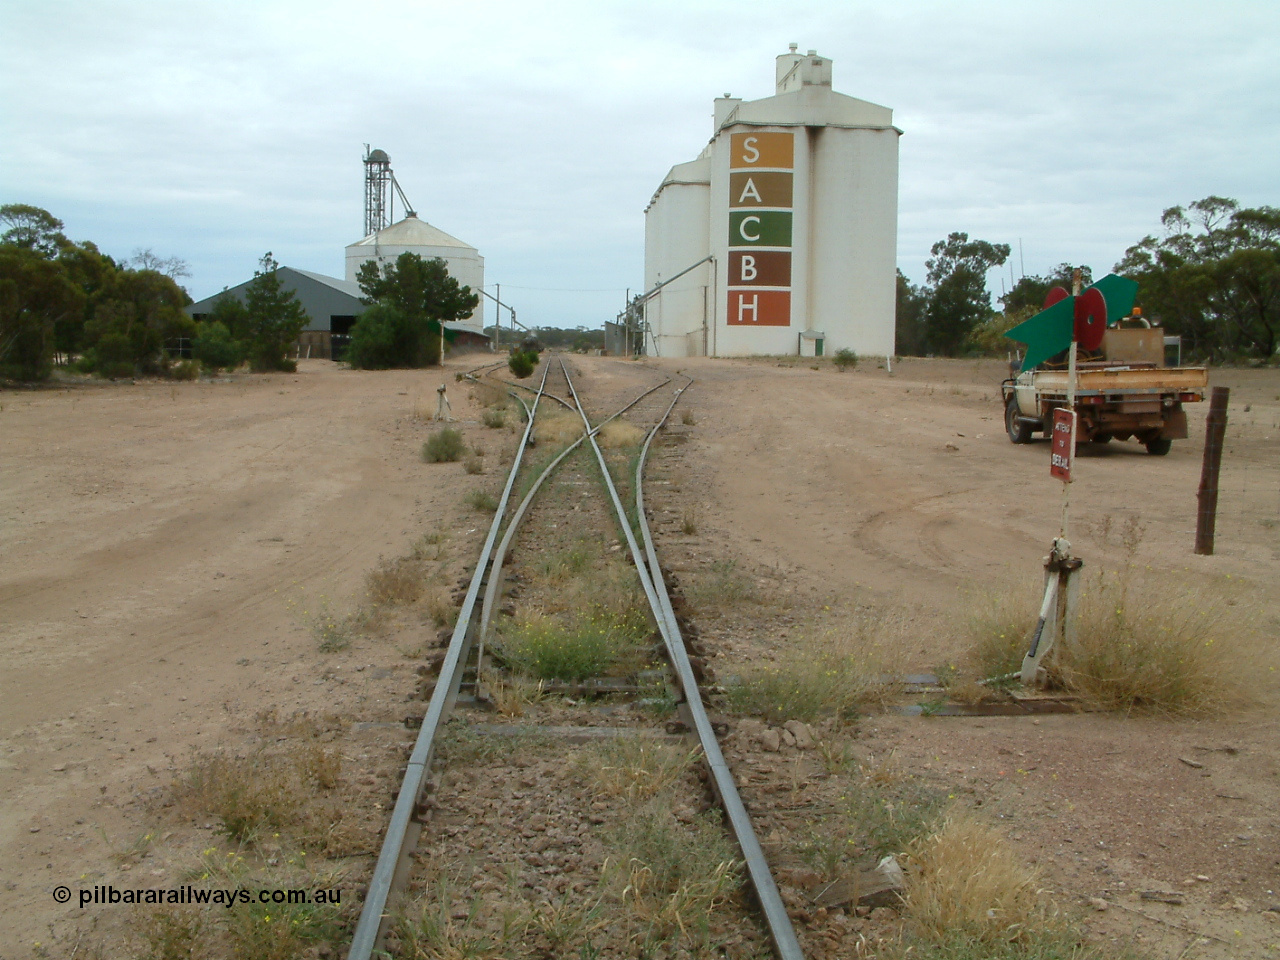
(384, 242)
(789, 221)
(412, 235)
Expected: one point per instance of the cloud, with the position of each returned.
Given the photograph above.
(538, 132)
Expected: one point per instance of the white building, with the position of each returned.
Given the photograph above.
(793, 206)
(412, 235)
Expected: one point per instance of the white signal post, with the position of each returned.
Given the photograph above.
(1076, 284)
(1061, 569)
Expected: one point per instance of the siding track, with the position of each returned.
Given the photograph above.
(477, 633)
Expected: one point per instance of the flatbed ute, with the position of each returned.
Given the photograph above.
(1128, 394)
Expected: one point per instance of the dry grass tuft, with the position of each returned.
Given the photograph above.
(635, 768)
(619, 433)
(689, 523)
(439, 606)
(671, 876)
(1164, 649)
(965, 881)
(489, 395)
(267, 792)
(447, 920)
(510, 694)
(578, 583)
(558, 427)
(277, 931)
(556, 567)
(1142, 646)
(834, 672)
(395, 582)
(720, 586)
(998, 632)
(171, 933)
(431, 546)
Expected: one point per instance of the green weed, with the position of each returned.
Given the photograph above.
(482, 500)
(572, 648)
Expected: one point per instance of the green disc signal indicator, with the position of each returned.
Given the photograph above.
(1049, 332)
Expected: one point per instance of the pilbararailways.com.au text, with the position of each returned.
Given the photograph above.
(106, 895)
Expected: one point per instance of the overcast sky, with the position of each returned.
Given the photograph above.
(538, 131)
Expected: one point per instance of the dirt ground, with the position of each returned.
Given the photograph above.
(168, 549)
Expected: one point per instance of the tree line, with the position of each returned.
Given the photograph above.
(60, 299)
(1212, 277)
(68, 302)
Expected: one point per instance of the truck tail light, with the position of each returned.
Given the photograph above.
(1190, 397)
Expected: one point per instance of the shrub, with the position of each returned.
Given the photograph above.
(185, 370)
(521, 363)
(473, 465)
(444, 446)
(845, 358)
(494, 417)
(385, 337)
(214, 347)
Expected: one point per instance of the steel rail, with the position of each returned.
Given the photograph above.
(560, 400)
(490, 371)
(392, 867)
(495, 576)
(783, 935)
(785, 943)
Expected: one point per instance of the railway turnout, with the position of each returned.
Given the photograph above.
(475, 651)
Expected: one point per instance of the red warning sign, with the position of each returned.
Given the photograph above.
(1062, 450)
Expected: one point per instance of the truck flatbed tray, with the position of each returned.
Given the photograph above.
(1129, 380)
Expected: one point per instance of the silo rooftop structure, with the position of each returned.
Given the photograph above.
(412, 235)
(792, 208)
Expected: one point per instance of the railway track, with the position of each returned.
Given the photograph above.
(538, 550)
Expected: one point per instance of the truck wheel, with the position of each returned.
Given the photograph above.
(1102, 438)
(1019, 431)
(1159, 446)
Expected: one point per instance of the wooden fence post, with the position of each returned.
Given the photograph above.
(1215, 430)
